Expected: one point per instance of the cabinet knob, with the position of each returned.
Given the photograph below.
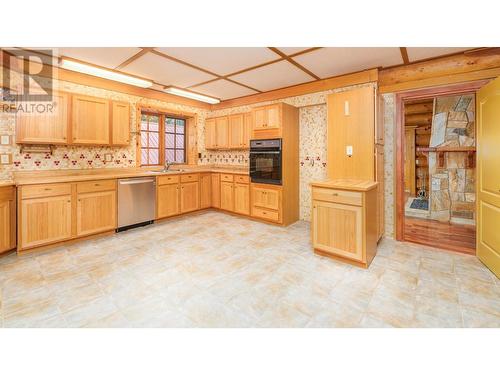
(335, 194)
(47, 189)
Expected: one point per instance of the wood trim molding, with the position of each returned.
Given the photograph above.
(291, 61)
(464, 88)
(142, 52)
(463, 67)
(404, 55)
(364, 76)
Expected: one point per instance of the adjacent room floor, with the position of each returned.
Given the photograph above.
(216, 270)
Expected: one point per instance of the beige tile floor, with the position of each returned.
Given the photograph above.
(216, 270)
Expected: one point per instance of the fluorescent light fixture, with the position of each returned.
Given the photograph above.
(104, 73)
(191, 95)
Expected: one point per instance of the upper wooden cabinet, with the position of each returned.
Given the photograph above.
(236, 130)
(120, 123)
(90, 120)
(267, 121)
(7, 218)
(228, 132)
(50, 127)
(222, 132)
(247, 129)
(210, 134)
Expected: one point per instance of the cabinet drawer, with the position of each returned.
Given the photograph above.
(189, 177)
(46, 190)
(226, 177)
(338, 196)
(165, 180)
(95, 186)
(242, 179)
(265, 214)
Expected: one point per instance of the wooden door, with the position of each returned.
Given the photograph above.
(168, 200)
(242, 198)
(216, 190)
(45, 220)
(190, 197)
(50, 127)
(210, 134)
(227, 196)
(90, 120)
(488, 186)
(351, 116)
(247, 129)
(409, 156)
(337, 229)
(120, 123)
(259, 118)
(222, 132)
(266, 198)
(273, 116)
(205, 190)
(95, 212)
(236, 130)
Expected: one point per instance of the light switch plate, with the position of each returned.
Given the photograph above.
(5, 159)
(5, 140)
(348, 151)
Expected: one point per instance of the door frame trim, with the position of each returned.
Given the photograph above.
(456, 89)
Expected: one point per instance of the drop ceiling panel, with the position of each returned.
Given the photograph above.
(108, 57)
(221, 60)
(292, 50)
(166, 71)
(223, 89)
(334, 61)
(420, 53)
(273, 76)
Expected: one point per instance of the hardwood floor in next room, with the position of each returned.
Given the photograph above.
(456, 237)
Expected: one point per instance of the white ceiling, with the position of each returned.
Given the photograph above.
(231, 72)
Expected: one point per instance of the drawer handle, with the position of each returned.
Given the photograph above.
(47, 189)
(97, 184)
(335, 194)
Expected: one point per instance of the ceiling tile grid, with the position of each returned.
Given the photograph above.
(223, 89)
(108, 57)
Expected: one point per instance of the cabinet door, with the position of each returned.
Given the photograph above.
(50, 127)
(337, 229)
(236, 130)
(259, 118)
(168, 200)
(205, 190)
(210, 134)
(190, 197)
(120, 123)
(45, 220)
(5, 225)
(242, 198)
(216, 190)
(95, 212)
(266, 198)
(273, 116)
(227, 196)
(90, 120)
(247, 129)
(222, 132)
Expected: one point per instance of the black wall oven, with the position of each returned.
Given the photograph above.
(265, 161)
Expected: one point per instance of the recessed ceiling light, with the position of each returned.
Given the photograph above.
(103, 73)
(191, 95)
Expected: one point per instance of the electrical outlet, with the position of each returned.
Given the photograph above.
(108, 157)
(5, 159)
(5, 140)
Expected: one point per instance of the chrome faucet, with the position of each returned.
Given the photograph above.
(166, 167)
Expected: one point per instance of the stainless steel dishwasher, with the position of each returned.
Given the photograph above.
(136, 202)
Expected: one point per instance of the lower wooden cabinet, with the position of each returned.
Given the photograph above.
(45, 220)
(190, 198)
(242, 198)
(266, 202)
(7, 218)
(216, 190)
(205, 190)
(95, 212)
(344, 222)
(227, 196)
(168, 200)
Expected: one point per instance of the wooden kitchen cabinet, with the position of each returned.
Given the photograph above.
(90, 120)
(267, 121)
(247, 129)
(120, 123)
(242, 198)
(44, 220)
(190, 197)
(222, 132)
(205, 190)
(95, 212)
(216, 190)
(344, 223)
(236, 130)
(210, 134)
(7, 218)
(49, 127)
(266, 202)
(168, 200)
(227, 195)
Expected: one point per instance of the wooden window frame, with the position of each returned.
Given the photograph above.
(175, 148)
(150, 131)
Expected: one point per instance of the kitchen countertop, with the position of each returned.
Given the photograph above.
(7, 183)
(346, 184)
(74, 175)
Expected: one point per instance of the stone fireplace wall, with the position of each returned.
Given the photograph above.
(452, 190)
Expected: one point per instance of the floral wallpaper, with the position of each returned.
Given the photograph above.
(389, 146)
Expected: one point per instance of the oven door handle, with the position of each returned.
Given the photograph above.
(265, 152)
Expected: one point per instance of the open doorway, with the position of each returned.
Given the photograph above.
(436, 190)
